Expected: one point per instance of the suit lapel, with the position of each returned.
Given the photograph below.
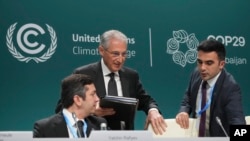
(196, 90)
(124, 83)
(99, 80)
(217, 88)
(90, 126)
(61, 129)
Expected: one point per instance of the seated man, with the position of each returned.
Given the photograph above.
(79, 101)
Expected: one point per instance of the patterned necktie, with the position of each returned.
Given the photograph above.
(202, 126)
(112, 88)
(80, 127)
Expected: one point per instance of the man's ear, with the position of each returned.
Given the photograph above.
(222, 64)
(77, 100)
(101, 50)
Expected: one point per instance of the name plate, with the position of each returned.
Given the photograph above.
(16, 135)
(109, 135)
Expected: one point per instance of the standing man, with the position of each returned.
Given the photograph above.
(212, 95)
(113, 51)
(79, 100)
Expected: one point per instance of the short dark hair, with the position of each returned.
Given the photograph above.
(213, 45)
(72, 85)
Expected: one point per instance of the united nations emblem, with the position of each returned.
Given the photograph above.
(32, 50)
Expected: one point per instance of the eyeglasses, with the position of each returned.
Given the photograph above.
(116, 54)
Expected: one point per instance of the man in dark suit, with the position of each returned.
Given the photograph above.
(223, 94)
(113, 50)
(79, 100)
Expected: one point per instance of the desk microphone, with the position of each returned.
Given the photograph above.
(123, 125)
(219, 122)
(77, 128)
(103, 126)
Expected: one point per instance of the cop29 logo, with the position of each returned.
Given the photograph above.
(182, 39)
(27, 38)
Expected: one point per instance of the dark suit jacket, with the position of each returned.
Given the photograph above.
(131, 87)
(55, 126)
(226, 102)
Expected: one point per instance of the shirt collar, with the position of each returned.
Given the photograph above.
(105, 69)
(69, 116)
(211, 82)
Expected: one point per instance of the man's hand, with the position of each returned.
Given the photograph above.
(103, 111)
(182, 119)
(157, 122)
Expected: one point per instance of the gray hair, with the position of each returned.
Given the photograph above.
(111, 34)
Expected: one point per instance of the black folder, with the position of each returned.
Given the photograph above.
(125, 108)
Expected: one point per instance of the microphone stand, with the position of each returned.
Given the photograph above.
(219, 122)
(77, 128)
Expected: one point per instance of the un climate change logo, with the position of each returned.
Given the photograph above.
(173, 46)
(30, 49)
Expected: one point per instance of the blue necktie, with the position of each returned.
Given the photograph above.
(202, 127)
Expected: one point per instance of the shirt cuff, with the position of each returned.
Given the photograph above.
(152, 109)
